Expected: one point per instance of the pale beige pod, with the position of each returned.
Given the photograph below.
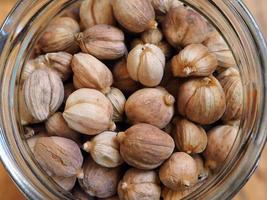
(202, 100)
(145, 63)
(102, 41)
(60, 36)
(232, 85)
(104, 149)
(88, 111)
(139, 185)
(134, 15)
(43, 93)
(30, 66)
(58, 156)
(179, 172)
(194, 60)
(118, 100)
(96, 12)
(219, 47)
(162, 7)
(154, 106)
(165, 47)
(220, 142)
(60, 62)
(78, 85)
(89, 72)
(25, 116)
(183, 26)
(189, 137)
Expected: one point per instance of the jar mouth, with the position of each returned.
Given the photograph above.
(231, 18)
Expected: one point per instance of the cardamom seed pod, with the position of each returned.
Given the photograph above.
(96, 12)
(102, 41)
(89, 72)
(88, 111)
(43, 93)
(58, 156)
(134, 15)
(60, 36)
(118, 100)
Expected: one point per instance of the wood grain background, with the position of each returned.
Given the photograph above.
(255, 189)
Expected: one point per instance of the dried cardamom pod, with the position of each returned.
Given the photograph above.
(145, 146)
(30, 66)
(181, 25)
(154, 106)
(57, 126)
(122, 79)
(166, 49)
(60, 36)
(134, 15)
(139, 185)
(118, 100)
(194, 60)
(104, 149)
(189, 137)
(25, 116)
(219, 47)
(43, 93)
(203, 172)
(201, 100)
(231, 83)
(220, 142)
(59, 61)
(58, 156)
(145, 63)
(78, 85)
(96, 12)
(102, 41)
(32, 140)
(179, 172)
(99, 181)
(89, 72)
(88, 111)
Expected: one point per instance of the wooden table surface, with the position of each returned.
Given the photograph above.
(255, 189)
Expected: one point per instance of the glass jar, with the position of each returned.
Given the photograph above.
(29, 18)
